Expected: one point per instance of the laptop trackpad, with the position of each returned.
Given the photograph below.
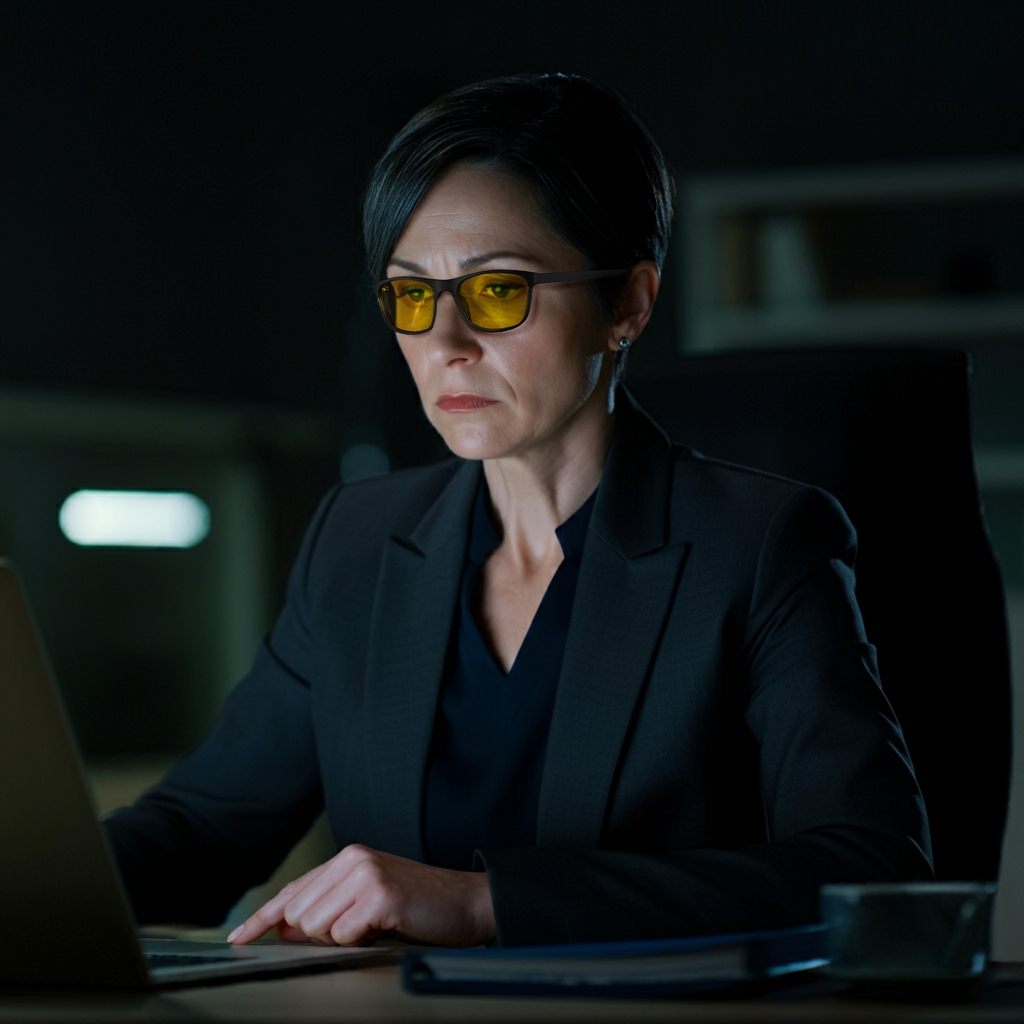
(182, 952)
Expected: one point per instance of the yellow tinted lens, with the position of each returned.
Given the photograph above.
(408, 304)
(494, 302)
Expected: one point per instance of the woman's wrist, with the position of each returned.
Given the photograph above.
(482, 907)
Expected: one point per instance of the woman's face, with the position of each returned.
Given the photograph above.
(497, 395)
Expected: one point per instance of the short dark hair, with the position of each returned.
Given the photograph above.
(596, 172)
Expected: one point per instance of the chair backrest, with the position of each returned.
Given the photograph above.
(888, 433)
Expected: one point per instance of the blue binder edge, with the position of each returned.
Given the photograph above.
(770, 954)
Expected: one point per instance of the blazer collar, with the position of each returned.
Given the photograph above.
(446, 522)
(410, 628)
(630, 570)
(632, 510)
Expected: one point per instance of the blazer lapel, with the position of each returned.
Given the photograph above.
(410, 629)
(628, 575)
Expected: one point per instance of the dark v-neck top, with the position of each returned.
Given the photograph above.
(491, 731)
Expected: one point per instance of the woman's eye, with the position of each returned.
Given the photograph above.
(413, 294)
(500, 291)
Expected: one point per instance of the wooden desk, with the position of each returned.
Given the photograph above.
(374, 994)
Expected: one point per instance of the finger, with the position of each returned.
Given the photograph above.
(316, 919)
(288, 933)
(353, 929)
(272, 912)
(269, 915)
(371, 913)
(258, 924)
(346, 933)
(329, 878)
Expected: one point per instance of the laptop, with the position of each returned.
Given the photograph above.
(65, 919)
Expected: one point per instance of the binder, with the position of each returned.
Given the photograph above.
(658, 967)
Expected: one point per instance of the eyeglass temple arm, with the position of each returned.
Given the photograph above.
(578, 275)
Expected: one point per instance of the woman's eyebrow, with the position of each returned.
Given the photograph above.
(486, 257)
(470, 261)
(407, 265)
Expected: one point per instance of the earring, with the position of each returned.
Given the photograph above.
(624, 343)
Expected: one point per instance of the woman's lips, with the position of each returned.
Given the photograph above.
(463, 403)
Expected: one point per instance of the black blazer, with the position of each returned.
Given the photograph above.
(720, 743)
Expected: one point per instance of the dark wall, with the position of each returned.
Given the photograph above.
(179, 183)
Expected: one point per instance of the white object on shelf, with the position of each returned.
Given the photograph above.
(792, 311)
(788, 276)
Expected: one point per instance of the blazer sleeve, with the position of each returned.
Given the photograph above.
(225, 816)
(840, 796)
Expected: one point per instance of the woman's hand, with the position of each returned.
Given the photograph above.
(361, 894)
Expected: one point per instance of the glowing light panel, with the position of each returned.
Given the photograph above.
(134, 519)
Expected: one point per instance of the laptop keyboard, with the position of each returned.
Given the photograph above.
(156, 960)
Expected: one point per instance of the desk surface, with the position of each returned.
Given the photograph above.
(374, 994)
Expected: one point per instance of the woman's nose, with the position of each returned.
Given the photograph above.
(451, 339)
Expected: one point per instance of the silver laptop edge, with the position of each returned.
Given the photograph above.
(69, 923)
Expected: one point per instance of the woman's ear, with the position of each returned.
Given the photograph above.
(636, 303)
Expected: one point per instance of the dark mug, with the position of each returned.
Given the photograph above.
(913, 931)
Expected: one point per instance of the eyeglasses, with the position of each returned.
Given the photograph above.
(492, 300)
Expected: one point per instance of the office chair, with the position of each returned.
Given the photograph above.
(888, 433)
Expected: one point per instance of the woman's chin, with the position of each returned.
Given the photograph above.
(471, 441)
(473, 450)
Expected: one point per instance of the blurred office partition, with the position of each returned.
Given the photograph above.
(148, 633)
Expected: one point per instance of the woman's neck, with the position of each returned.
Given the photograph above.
(535, 492)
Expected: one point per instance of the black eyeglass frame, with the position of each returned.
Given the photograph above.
(452, 284)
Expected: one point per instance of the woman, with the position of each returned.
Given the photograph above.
(574, 684)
